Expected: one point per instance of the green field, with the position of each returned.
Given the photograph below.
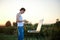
(14, 37)
(48, 32)
(8, 37)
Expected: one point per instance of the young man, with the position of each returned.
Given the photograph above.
(20, 24)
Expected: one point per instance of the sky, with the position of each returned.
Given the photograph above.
(49, 10)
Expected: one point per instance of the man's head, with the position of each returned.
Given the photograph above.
(22, 10)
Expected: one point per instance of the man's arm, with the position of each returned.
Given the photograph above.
(17, 19)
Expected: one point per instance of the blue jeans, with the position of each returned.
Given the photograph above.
(21, 33)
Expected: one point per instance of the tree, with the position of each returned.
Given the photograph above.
(8, 23)
(35, 25)
(14, 24)
(57, 23)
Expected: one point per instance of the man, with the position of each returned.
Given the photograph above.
(20, 24)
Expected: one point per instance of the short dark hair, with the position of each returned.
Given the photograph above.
(22, 9)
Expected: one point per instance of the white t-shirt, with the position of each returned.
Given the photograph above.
(20, 18)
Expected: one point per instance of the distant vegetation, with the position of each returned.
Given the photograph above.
(51, 30)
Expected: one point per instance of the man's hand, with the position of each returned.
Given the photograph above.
(25, 21)
(19, 21)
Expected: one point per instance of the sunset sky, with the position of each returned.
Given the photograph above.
(49, 10)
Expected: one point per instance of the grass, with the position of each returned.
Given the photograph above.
(8, 37)
(14, 37)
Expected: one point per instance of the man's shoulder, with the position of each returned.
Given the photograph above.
(18, 14)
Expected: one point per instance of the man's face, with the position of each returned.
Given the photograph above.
(22, 11)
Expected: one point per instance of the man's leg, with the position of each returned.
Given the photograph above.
(20, 33)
